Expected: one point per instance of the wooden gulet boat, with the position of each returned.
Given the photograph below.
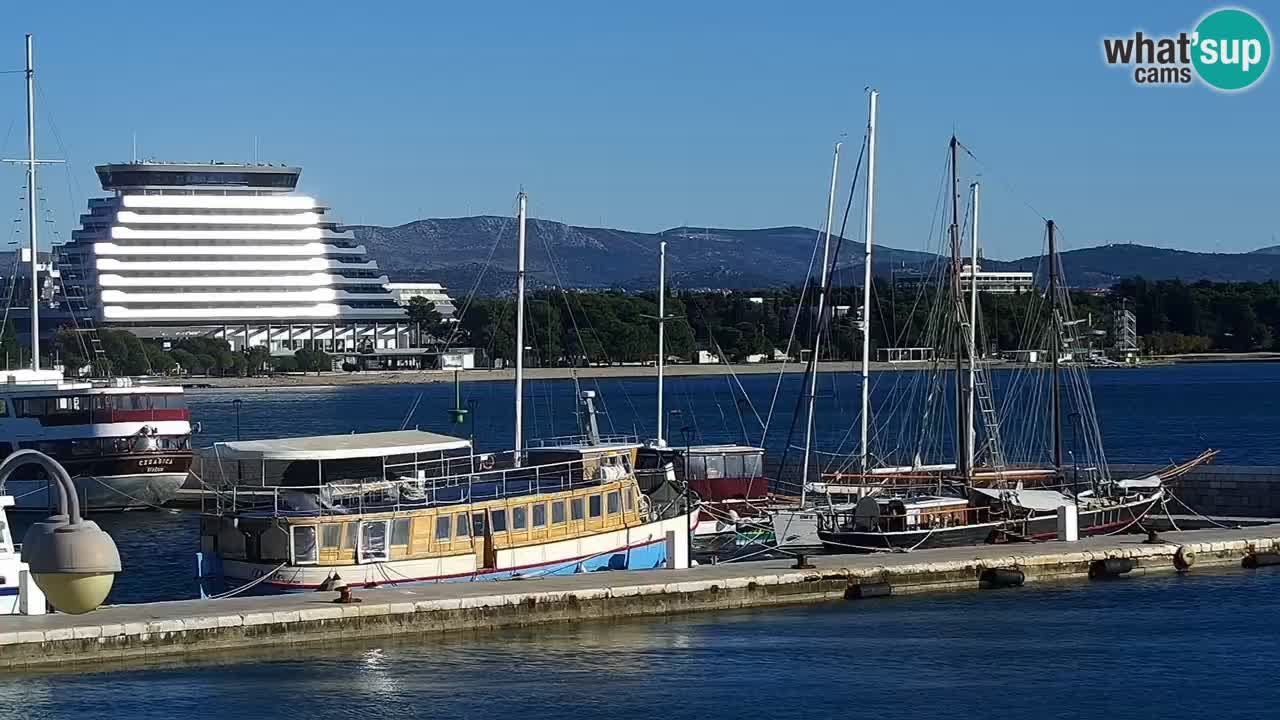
(967, 504)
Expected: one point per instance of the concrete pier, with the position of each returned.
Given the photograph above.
(200, 627)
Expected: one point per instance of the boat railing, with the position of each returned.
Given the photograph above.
(582, 441)
(373, 494)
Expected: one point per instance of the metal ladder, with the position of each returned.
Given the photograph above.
(990, 420)
(82, 317)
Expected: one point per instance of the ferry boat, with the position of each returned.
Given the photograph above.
(409, 506)
(125, 445)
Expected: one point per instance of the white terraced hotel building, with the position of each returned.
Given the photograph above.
(228, 251)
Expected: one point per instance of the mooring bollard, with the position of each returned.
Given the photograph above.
(1068, 523)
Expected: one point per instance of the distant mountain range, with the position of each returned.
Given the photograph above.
(458, 251)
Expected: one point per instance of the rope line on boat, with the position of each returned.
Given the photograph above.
(248, 585)
(1200, 515)
(140, 501)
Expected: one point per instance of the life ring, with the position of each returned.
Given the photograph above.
(486, 462)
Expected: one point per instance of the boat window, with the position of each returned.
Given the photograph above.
(631, 500)
(400, 531)
(557, 512)
(498, 518)
(477, 524)
(332, 536)
(462, 524)
(4, 409)
(694, 467)
(519, 517)
(85, 446)
(443, 528)
(751, 465)
(373, 540)
(304, 544)
(614, 502)
(349, 541)
(575, 508)
(540, 515)
(593, 506)
(715, 467)
(733, 466)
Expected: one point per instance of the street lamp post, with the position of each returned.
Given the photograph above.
(71, 559)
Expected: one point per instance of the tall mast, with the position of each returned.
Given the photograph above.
(31, 208)
(867, 242)
(1055, 341)
(662, 323)
(817, 335)
(970, 389)
(957, 345)
(523, 202)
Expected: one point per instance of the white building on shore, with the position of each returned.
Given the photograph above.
(227, 251)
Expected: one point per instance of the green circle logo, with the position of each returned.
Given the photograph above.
(1232, 49)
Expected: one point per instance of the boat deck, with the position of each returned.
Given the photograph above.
(198, 627)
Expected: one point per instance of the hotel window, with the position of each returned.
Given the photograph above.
(462, 524)
(400, 531)
(593, 506)
(498, 518)
(331, 536)
(614, 502)
(575, 508)
(519, 517)
(540, 515)
(557, 512)
(443, 527)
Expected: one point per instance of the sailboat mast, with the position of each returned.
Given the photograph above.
(522, 201)
(31, 208)
(867, 243)
(817, 335)
(662, 323)
(957, 345)
(1055, 342)
(973, 323)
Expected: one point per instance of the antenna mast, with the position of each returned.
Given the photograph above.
(1055, 342)
(867, 242)
(523, 202)
(817, 335)
(31, 208)
(957, 345)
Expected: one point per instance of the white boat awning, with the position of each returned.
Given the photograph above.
(1151, 482)
(1029, 499)
(341, 447)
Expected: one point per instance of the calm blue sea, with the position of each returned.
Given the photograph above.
(1198, 646)
(1147, 415)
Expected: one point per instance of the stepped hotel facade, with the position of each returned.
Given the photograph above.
(226, 251)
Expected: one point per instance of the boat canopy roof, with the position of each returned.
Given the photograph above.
(1029, 499)
(341, 447)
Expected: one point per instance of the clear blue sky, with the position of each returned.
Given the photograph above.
(651, 115)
